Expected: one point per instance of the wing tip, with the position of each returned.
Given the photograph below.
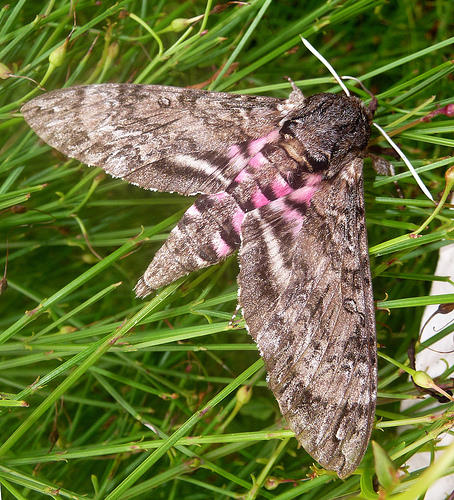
(346, 469)
(26, 108)
(342, 467)
(34, 111)
(342, 461)
(142, 289)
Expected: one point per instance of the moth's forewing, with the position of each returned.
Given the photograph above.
(310, 311)
(156, 137)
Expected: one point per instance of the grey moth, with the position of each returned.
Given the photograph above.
(280, 181)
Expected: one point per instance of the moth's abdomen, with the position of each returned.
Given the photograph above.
(208, 232)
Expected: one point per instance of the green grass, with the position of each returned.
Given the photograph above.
(137, 399)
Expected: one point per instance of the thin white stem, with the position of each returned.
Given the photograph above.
(406, 161)
(327, 64)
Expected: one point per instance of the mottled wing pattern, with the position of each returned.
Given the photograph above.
(207, 233)
(281, 180)
(156, 137)
(305, 290)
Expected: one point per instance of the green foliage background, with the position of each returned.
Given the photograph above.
(106, 396)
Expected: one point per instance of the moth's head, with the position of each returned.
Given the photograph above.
(329, 128)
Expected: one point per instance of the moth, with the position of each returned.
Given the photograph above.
(280, 181)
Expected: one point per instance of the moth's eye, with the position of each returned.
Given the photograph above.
(318, 163)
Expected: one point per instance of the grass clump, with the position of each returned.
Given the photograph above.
(105, 396)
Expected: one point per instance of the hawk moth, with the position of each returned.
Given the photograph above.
(281, 182)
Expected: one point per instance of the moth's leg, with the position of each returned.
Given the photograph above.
(385, 167)
(233, 320)
(207, 233)
(381, 165)
(294, 101)
(296, 94)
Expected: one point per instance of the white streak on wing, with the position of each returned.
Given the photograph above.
(199, 261)
(193, 211)
(348, 174)
(198, 165)
(279, 274)
(176, 232)
(120, 134)
(275, 258)
(239, 161)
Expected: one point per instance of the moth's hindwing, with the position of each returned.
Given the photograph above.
(205, 235)
(283, 182)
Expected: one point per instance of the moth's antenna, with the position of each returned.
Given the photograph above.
(373, 103)
(357, 80)
(326, 63)
(406, 161)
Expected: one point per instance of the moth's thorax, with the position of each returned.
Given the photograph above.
(325, 131)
